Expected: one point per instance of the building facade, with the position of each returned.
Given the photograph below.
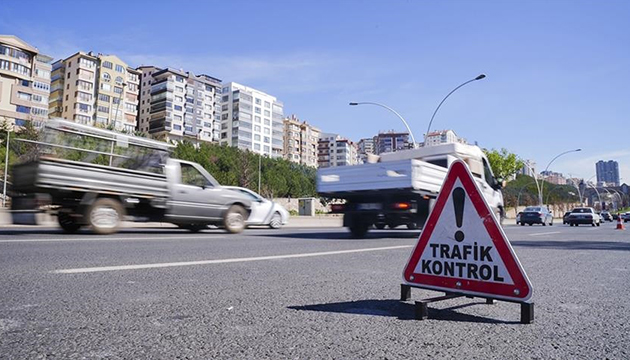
(95, 89)
(334, 150)
(554, 177)
(442, 137)
(364, 147)
(391, 141)
(528, 169)
(24, 82)
(177, 105)
(251, 120)
(300, 141)
(607, 172)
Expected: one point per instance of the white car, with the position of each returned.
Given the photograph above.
(264, 212)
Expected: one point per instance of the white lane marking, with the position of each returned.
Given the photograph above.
(100, 238)
(545, 233)
(221, 261)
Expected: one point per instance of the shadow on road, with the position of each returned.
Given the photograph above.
(345, 235)
(575, 245)
(400, 310)
(121, 233)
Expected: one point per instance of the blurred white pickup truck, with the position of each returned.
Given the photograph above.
(400, 188)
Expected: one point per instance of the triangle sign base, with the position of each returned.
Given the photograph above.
(421, 309)
(462, 249)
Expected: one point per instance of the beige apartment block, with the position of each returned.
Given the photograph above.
(300, 141)
(24, 82)
(95, 89)
(177, 105)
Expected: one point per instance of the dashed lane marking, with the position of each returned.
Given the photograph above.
(545, 233)
(221, 261)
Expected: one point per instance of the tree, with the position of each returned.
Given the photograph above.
(503, 163)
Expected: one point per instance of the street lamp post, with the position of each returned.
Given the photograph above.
(118, 104)
(481, 76)
(542, 184)
(413, 139)
(535, 180)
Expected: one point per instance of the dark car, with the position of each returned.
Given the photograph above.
(518, 217)
(605, 215)
(565, 218)
(584, 215)
(536, 215)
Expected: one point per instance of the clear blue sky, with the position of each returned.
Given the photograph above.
(558, 71)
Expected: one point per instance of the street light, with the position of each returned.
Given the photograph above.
(542, 183)
(481, 76)
(413, 139)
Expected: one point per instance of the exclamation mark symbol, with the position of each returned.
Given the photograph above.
(459, 195)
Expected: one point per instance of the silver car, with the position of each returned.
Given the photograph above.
(263, 211)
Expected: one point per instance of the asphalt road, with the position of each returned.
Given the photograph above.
(298, 293)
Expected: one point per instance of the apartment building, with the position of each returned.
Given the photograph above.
(442, 137)
(334, 150)
(251, 120)
(177, 105)
(300, 141)
(365, 146)
(391, 141)
(528, 169)
(554, 177)
(24, 81)
(607, 172)
(95, 89)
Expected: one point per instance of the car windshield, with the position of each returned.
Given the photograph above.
(533, 209)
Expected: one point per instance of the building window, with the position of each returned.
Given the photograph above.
(23, 109)
(119, 80)
(103, 109)
(257, 110)
(106, 87)
(106, 77)
(267, 113)
(258, 101)
(178, 108)
(118, 90)
(267, 104)
(120, 69)
(177, 127)
(256, 137)
(179, 79)
(107, 64)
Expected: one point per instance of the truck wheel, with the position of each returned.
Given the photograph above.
(105, 216)
(234, 220)
(359, 229)
(380, 226)
(68, 223)
(412, 225)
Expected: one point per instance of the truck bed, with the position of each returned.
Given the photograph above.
(57, 175)
(409, 174)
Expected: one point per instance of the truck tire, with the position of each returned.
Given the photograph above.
(358, 229)
(68, 223)
(105, 216)
(234, 219)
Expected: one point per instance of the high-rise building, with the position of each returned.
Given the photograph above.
(607, 172)
(364, 147)
(391, 141)
(442, 137)
(334, 150)
(528, 169)
(251, 120)
(177, 105)
(24, 81)
(300, 141)
(95, 89)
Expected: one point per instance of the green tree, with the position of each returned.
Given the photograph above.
(503, 163)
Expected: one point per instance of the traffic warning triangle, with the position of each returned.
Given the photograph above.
(463, 249)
